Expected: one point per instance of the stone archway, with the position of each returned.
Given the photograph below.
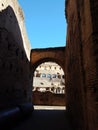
(47, 86)
(39, 56)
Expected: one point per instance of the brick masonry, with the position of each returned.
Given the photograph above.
(39, 56)
(81, 63)
(79, 60)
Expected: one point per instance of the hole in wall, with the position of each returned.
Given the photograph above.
(2, 4)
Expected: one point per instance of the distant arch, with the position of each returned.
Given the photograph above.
(39, 56)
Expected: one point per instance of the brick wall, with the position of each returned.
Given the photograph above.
(56, 54)
(48, 98)
(90, 56)
(81, 63)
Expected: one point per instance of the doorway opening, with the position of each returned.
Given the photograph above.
(48, 89)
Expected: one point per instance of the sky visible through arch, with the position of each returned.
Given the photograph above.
(45, 22)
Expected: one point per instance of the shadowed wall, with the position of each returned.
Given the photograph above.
(81, 63)
(15, 77)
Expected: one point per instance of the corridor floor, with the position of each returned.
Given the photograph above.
(45, 120)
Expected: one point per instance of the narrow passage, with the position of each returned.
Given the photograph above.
(45, 120)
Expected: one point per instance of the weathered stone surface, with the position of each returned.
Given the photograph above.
(48, 98)
(39, 56)
(79, 60)
(15, 77)
(81, 63)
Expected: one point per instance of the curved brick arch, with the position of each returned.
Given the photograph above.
(39, 56)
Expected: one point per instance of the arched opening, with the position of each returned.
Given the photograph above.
(48, 88)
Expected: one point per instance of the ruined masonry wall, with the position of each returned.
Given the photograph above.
(82, 63)
(15, 75)
(20, 18)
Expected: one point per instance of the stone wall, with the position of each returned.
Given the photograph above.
(81, 63)
(48, 98)
(15, 76)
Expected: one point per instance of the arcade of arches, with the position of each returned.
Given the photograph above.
(79, 60)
